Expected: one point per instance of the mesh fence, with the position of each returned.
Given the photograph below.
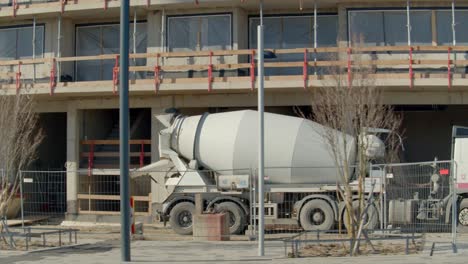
(43, 195)
(410, 198)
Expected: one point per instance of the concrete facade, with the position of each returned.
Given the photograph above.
(81, 101)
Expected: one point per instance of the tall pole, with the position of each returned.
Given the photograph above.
(34, 48)
(124, 128)
(454, 24)
(261, 212)
(408, 21)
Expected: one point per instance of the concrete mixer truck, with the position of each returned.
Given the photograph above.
(215, 155)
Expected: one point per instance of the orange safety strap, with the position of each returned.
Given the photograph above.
(91, 159)
(62, 5)
(157, 72)
(210, 72)
(411, 73)
(252, 70)
(52, 80)
(449, 71)
(142, 154)
(349, 68)
(15, 7)
(305, 70)
(18, 78)
(115, 75)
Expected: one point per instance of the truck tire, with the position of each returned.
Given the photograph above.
(317, 215)
(181, 218)
(463, 214)
(372, 216)
(236, 216)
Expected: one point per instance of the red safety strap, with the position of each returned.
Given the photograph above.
(411, 73)
(196, 2)
(105, 4)
(157, 72)
(15, 7)
(52, 80)
(252, 70)
(210, 72)
(142, 154)
(349, 68)
(62, 6)
(132, 215)
(91, 158)
(305, 70)
(449, 71)
(18, 78)
(115, 75)
(148, 3)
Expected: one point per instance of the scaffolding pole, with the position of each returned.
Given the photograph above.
(454, 24)
(315, 37)
(34, 48)
(134, 40)
(408, 21)
(59, 50)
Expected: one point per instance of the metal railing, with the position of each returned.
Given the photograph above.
(390, 62)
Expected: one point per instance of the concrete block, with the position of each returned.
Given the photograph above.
(211, 227)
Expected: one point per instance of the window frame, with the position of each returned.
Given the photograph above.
(32, 27)
(169, 17)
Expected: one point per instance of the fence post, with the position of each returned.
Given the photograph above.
(454, 203)
(21, 198)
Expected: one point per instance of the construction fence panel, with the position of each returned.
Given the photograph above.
(421, 197)
(43, 195)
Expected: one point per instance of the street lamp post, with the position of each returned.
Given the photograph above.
(123, 134)
(261, 154)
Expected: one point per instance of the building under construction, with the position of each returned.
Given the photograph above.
(199, 56)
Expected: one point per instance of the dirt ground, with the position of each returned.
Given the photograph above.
(342, 250)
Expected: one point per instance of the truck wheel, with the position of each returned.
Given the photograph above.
(463, 213)
(372, 216)
(181, 217)
(236, 216)
(316, 215)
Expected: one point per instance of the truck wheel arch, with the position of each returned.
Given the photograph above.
(235, 200)
(298, 205)
(175, 201)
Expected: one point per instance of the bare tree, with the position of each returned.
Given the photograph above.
(351, 107)
(19, 140)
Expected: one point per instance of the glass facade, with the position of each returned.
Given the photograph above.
(17, 42)
(389, 28)
(289, 32)
(195, 33)
(104, 39)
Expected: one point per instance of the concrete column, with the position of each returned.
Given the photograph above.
(73, 158)
(156, 191)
